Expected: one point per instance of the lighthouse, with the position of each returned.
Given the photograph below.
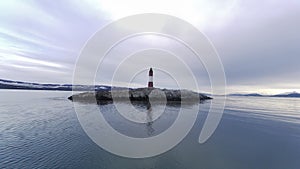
(150, 82)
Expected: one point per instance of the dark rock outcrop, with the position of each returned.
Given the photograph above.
(139, 94)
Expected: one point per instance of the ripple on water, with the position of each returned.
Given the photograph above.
(42, 131)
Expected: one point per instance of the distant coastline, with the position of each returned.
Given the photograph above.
(10, 84)
(293, 95)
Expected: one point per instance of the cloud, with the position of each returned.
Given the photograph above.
(256, 40)
(260, 44)
(44, 35)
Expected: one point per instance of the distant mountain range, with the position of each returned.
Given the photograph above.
(293, 94)
(9, 84)
(250, 94)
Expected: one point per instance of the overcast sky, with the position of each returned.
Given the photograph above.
(257, 40)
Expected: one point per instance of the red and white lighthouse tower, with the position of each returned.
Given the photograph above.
(150, 82)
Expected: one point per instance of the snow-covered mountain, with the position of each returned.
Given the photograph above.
(250, 94)
(9, 84)
(293, 94)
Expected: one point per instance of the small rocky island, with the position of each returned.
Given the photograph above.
(147, 95)
(139, 94)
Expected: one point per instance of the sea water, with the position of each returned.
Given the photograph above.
(40, 129)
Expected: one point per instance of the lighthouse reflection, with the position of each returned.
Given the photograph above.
(154, 118)
(149, 121)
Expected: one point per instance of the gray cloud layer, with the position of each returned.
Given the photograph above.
(258, 44)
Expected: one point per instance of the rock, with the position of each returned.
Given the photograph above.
(139, 94)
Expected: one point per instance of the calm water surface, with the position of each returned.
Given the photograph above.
(40, 129)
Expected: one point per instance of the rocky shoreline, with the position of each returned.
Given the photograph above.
(139, 94)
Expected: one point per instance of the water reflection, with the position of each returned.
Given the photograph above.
(154, 118)
(41, 130)
(149, 121)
